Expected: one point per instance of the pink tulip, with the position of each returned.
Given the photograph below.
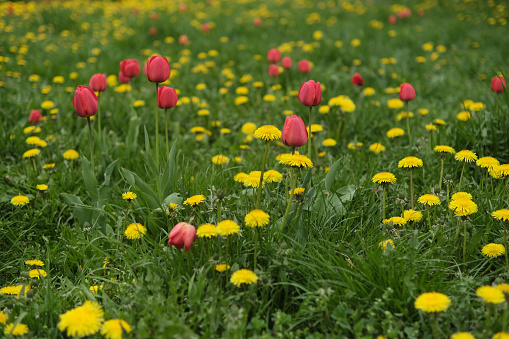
(392, 19)
(122, 78)
(286, 63)
(498, 84)
(406, 92)
(98, 82)
(130, 68)
(167, 97)
(294, 132)
(310, 93)
(273, 70)
(85, 102)
(158, 69)
(357, 80)
(273, 55)
(304, 66)
(184, 40)
(182, 235)
(257, 22)
(35, 117)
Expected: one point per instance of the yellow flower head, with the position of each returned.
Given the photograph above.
(329, 142)
(243, 276)
(129, 196)
(395, 104)
(3, 317)
(432, 302)
(207, 230)
(227, 227)
(429, 199)
(503, 287)
(383, 244)
(412, 215)
(493, 250)
(71, 154)
(272, 176)
(410, 163)
(220, 159)
(257, 218)
(384, 178)
(463, 207)
(31, 153)
(14, 290)
(463, 116)
(396, 221)
(439, 122)
(502, 214)
(460, 195)
(404, 115)
(42, 187)
(444, 149)
(114, 328)
(34, 263)
(500, 335)
(49, 166)
(462, 335)
(20, 200)
(395, 132)
(431, 127)
(135, 231)
(295, 160)
(490, 294)
(48, 104)
(195, 200)
(240, 100)
(19, 329)
(267, 133)
(222, 267)
(37, 273)
(487, 162)
(83, 320)
(239, 177)
(297, 191)
(500, 171)
(248, 128)
(465, 155)
(376, 147)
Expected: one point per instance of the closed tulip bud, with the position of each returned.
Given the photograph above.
(205, 27)
(182, 235)
(357, 80)
(182, 7)
(130, 68)
(152, 31)
(273, 55)
(286, 63)
(98, 82)
(274, 70)
(304, 66)
(498, 84)
(406, 92)
(154, 16)
(35, 117)
(183, 40)
(257, 22)
(85, 102)
(294, 132)
(122, 78)
(158, 69)
(167, 97)
(310, 93)
(392, 19)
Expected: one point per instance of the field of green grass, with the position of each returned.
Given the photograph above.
(347, 238)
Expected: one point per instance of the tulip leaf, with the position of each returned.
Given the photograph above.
(89, 179)
(168, 178)
(329, 179)
(147, 195)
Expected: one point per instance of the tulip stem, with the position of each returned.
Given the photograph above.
(259, 193)
(99, 120)
(157, 124)
(166, 132)
(91, 143)
(292, 189)
(408, 127)
(309, 143)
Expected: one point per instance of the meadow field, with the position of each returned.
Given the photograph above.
(158, 180)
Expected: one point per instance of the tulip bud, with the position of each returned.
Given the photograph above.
(182, 7)
(304, 66)
(152, 31)
(98, 82)
(273, 70)
(182, 235)
(273, 55)
(406, 92)
(35, 117)
(286, 63)
(357, 80)
(122, 78)
(294, 132)
(158, 69)
(183, 40)
(392, 19)
(257, 22)
(498, 84)
(167, 97)
(205, 28)
(310, 93)
(85, 102)
(130, 68)
(154, 16)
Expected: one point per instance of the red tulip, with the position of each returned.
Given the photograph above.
(183, 40)
(158, 69)
(130, 67)
(304, 66)
(182, 236)
(167, 97)
(257, 22)
(294, 132)
(122, 78)
(287, 63)
(406, 92)
(152, 31)
(273, 70)
(10, 11)
(182, 7)
(85, 102)
(205, 27)
(357, 80)
(498, 84)
(98, 82)
(310, 93)
(35, 117)
(273, 55)
(392, 19)
(154, 16)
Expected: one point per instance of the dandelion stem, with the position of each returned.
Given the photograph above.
(461, 176)
(441, 173)
(166, 132)
(309, 122)
(464, 240)
(218, 217)
(255, 243)
(292, 189)
(157, 124)
(457, 231)
(259, 193)
(429, 218)
(505, 246)
(411, 189)
(384, 194)
(91, 143)
(434, 326)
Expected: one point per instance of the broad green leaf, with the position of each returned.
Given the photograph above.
(147, 194)
(329, 179)
(168, 178)
(89, 179)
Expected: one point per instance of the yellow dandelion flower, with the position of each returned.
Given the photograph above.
(500, 335)
(47, 104)
(207, 230)
(502, 214)
(463, 116)
(461, 195)
(31, 153)
(243, 276)
(272, 176)
(329, 142)
(324, 109)
(20, 200)
(412, 215)
(83, 320)
(432, 302)
(466, 156)
(220, 159)
(222, 267)
(487, 162)
(227, 227)
(403, 115)
(135, 231)
(431, 127)
(129, 196)
(463, 207)
(384, 178)
(383, 244)
(139, 103)
(444, 149)
(248, 128)
(256, 218)
(395, 132)
(198, 129)
(31, 129)
(410, 163)
(376, 147)
(71, 154)
(439, 122)
(3, 317)
(96, 288)
(423, 111)
(19, 329)
(429, 199)
(368, 91)
(295, 160)
(269, 97)
(49, 166)
(195, 200)
(267, 133)
(173, 206)
(503, 287)
(240, 100)
(239, 177)
(34, 262)
(15, 290)
(493, 250)
(490, 294)
(115, 328)
(397, 221)
(225, 131)
(37, 273)
(395, 104)
(500, 171)
(462, 335)
(253, 179)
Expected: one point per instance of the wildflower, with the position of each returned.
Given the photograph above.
(412, 215)
(272, 176)
(368, 91)
(431, 127)
(397, 221)
(429, 199)
(47, 104)
(96, 288)
(49, 166)
(37, 273)
(395, 132)
(502, 214)
(384, 178)
(297, 191)
(376, 147)
(19, 329)
(439, 122)
(329, 142)
(227, 227)
(503, 287)
(383, 244)
(267, 132)
(31, 129)
(243, 276)
(129, 196)
(463, 207)
(501, 171)
(222, 267)
(239, 177)
(463, 116)
(444, 149)
(135, 231)
(295, 160)
(240, 100)
(3, 317)
(71, 154)
(195, 200)
(42, 187)
(403, 115)
(256, 218)
(83, 320)
(500, 335)
(253, 179)
(490, 294)
(182, 235)
(423, 111)
(466, 156)
(31, 153)
(460, 195)
(410, 163)
(462, 335)
(207, 230)
(34, 263)
(395, 104)
(432, 302)
(114, 328)
(20, 200)
(493, 250)
(220, 159)
(487, 162)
